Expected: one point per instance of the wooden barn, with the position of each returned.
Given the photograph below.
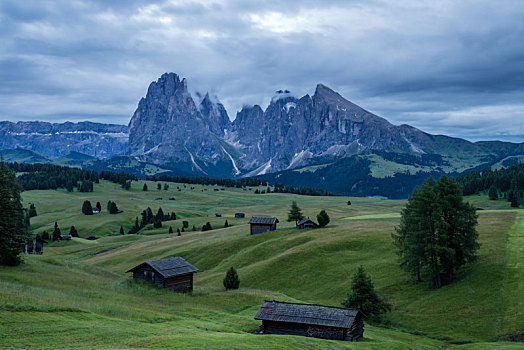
(239, 215)
(310, 320)
(171, 273)
(35, 246)
(306, 223)
(261, 224)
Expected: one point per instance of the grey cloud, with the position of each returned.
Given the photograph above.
(422, 63)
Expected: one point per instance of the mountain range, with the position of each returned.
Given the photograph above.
(321, 140)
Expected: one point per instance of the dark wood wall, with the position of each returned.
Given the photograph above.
(179, 284)
(272, 327)
(260, 228)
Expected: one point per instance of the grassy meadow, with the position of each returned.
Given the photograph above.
(77, 295)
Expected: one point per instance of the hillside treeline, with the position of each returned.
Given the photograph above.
(239, 183)
(47, 176)
(503, 180)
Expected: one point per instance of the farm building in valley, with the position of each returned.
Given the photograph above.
(310, 320)
(239, 215)
(261, 224)
(306, 223)
(171, 273)
(34, 246)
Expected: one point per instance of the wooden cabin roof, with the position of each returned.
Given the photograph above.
(304, 220)
(307, 314)
(264, 220)
(169, 267)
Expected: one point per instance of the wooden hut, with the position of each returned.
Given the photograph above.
(306, 223)
(261, 224)
(65, 237)
(310, 320)
(171, 273)
(240, 215)
(35, 246)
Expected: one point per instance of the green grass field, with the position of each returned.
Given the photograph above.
(77, 294)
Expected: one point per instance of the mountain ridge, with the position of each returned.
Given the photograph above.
(191, 133)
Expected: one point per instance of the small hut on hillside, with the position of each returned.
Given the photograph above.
(239, 215)
(34, 246)
(261, 224)
(310, 320)
(171, 273)
(306, 223)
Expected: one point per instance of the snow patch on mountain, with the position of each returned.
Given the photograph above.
(299, 157)
(289, 105)
(237, 172)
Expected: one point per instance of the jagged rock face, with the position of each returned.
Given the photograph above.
(169, 127)
(215, 116)
(293, 131)
(58, 139)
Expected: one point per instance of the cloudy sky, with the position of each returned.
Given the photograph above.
(446, 67)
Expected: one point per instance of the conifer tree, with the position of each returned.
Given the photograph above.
(226, 224)
(170, 229)
(32, 210)
(56, 232)
(159, 186)
(113, 209)
(231, 281)
(323, 218)
(493, 193)
(437, 232)
(160, 214)
(295, 213)
(364, 298)
(121, 230)
(194, 228)
(144, 188)
(45, 235)
(73, 232)
(13, 231)
(208, 226)
(99, 206)
(178, 231)
(514, 201)
(86, 208)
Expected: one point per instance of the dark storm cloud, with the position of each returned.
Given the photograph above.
(447, 67)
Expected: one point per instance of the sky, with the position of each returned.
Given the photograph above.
(446, 67)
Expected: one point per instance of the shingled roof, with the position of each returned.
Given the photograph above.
(265, 220)
(307, 314)
(169, 267)
(304, 220)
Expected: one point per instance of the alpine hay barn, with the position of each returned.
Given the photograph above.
(172, 273)
(310, 320)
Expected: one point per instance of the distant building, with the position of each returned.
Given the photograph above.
(95, 210)
(240, 215)
(65, 237)
(261, 224)
(306, 223)
(34, 246)
(218, 215)
(171, 273)
(310, 320)
(171, 198)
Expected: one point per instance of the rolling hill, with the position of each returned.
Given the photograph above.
(78, 295)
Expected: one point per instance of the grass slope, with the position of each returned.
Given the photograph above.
(77, 294)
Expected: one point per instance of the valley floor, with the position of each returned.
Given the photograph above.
(77, 294)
